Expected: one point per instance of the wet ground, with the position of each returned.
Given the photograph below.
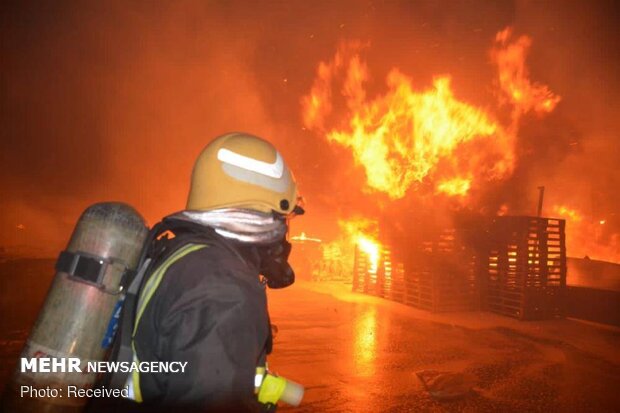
(356, 353)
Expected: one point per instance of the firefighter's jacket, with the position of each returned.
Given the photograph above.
(204, 305)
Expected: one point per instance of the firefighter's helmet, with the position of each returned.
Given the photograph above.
(239, 170)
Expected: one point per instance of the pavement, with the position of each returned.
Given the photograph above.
(356, 353)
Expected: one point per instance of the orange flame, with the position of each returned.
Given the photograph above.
(514, 79)
(358, 232)
(454, 187)
(371, 248)
(407, 136)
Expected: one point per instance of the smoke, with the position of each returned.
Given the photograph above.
(575, 152)
(113, 101)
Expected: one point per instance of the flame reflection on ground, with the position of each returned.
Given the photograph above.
(365, 343)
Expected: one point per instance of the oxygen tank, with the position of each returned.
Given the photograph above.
(78, 318)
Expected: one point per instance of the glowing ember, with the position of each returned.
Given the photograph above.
(406, 136)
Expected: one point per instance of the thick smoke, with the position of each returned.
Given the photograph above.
(113, 101)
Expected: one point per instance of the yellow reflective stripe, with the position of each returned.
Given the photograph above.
(149, 289)
(135, 376)
(271, 390)
(258, 378)
(155, 280)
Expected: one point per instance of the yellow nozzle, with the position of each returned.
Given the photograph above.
(275, 388)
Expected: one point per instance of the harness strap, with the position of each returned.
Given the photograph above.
(125, 349)
(145, 297)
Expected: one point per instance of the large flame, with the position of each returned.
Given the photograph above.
(406, 136)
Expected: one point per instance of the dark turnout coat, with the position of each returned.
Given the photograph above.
(210, 310)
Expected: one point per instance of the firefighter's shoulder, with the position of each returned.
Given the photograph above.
(208, 272)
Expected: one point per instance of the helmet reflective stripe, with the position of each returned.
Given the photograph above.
(272, 170)
(280, 185)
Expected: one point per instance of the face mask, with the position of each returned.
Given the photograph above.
(275, 267)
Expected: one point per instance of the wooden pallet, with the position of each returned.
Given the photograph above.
(438, 276)
(526, 273)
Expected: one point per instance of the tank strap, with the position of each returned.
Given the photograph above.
(124, 348)
(92, 269)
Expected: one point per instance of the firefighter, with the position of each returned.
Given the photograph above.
(202, 300)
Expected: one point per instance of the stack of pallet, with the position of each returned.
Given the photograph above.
(513, 265)
(526, 273)
(438, 275)
(375, 279)
(441, 276)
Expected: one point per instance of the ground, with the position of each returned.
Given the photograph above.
(356, 353)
